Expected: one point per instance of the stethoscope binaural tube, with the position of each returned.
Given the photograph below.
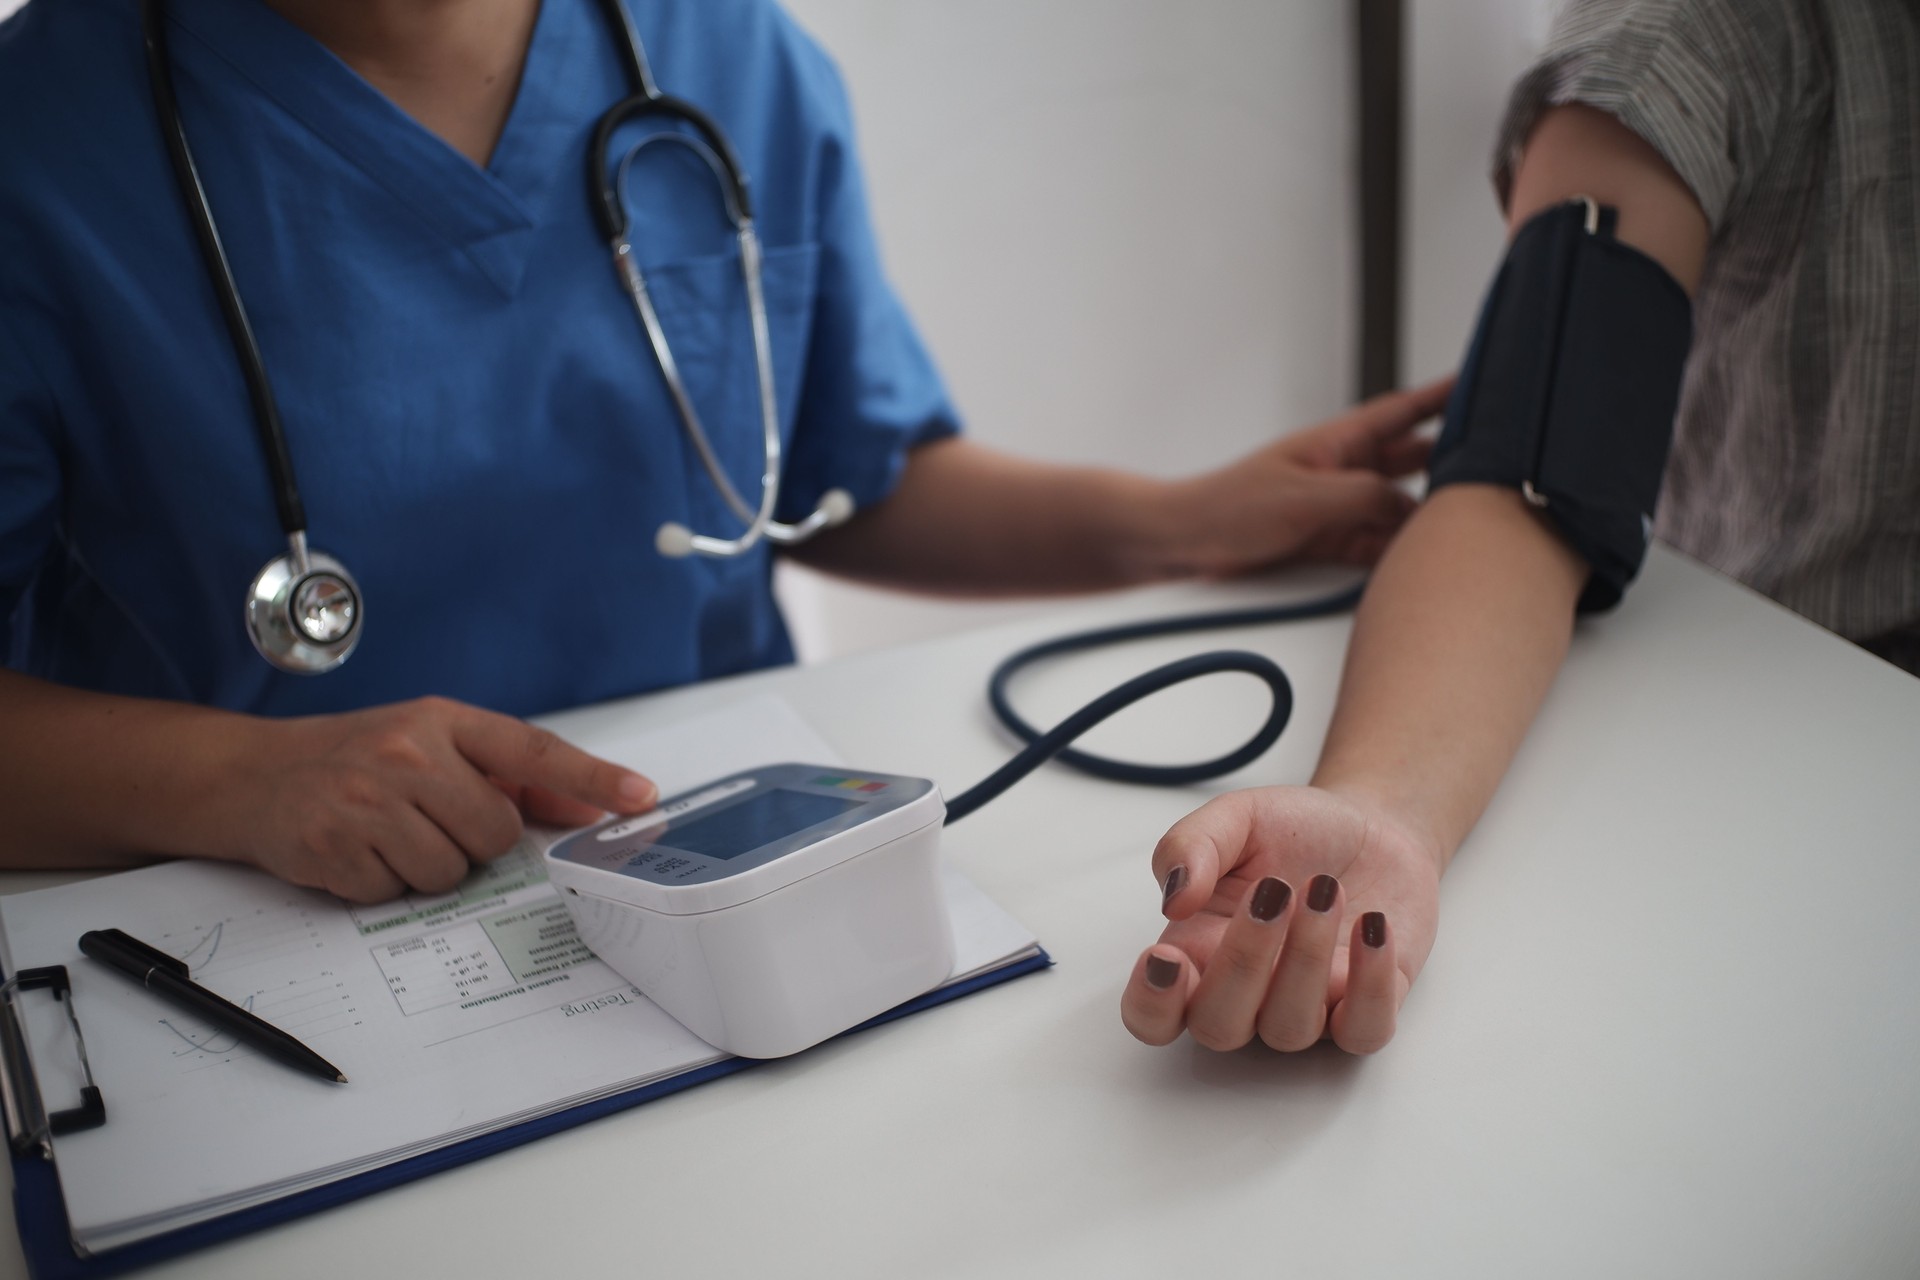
(303, 609)
(710, 144)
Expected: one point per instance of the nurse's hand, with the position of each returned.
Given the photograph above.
(1325, 492)
(1296, 915)
(370, 804)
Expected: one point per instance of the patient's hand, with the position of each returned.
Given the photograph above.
(1296, 914)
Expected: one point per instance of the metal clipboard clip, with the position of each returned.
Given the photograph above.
(29, 1124)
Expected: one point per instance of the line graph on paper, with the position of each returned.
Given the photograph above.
(230, 944)
(307, 1009)
(253, 959)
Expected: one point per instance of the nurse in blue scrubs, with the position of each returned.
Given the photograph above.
(479, 427)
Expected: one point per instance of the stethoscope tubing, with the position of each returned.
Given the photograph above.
(304, 610)
(615, 225)
(710, 144)
(266, 410)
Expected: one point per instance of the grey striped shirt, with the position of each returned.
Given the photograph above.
(1796, 455)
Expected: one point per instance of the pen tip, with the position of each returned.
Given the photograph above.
(337, 1076)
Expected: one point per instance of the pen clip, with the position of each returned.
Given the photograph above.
(153, 956)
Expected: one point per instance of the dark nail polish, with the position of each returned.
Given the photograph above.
(1373, 929)
(1321, 893)
(1269, 899)
(1162, 973)
(1176, 881)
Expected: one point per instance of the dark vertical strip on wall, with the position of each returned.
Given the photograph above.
(1381, 46)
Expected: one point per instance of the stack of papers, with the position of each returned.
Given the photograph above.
(453, 1016)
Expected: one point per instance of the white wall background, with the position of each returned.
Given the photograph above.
(1463, 57)
(1127, 228)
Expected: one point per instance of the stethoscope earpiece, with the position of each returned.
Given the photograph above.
(674, 541)
(304, 611)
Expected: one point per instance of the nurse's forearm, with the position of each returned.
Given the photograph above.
(93, 780)
(364, 804)
(1479, 590)
(967, 520)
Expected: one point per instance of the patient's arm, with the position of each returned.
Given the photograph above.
(1462, 629)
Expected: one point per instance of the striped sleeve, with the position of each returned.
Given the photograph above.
(1708, 83)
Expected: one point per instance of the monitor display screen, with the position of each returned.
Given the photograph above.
(761, 819)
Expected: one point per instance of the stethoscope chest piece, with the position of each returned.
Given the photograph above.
(304, 612)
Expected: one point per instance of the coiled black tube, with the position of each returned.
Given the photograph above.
(1042, 747)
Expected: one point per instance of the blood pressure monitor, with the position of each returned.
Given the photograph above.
(771, 909)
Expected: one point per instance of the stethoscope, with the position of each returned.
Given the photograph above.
(304, 610)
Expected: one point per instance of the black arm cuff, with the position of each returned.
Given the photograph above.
(1569, 389)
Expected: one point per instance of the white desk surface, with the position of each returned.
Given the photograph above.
(1671, 1026)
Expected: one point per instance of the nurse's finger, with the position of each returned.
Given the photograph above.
(364, 877)
(348, 863)
(1363, 1021)
(520, 752)
(483, 823)
(1404, 456)
(1362, 436)
(542, 805)
(1153, 1005)
(1221, 1011)
(1398, 412)
(1295, 1010)
(537, 804)
(420, 853)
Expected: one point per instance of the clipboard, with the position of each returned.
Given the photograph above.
(40, 1210)
(30, 1126)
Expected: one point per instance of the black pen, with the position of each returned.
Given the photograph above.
(157, 971)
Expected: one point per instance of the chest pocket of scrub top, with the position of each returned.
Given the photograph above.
(702, 303)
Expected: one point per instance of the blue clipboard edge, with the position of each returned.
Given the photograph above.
(47, 1241)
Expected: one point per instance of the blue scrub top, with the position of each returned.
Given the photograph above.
(479, 427)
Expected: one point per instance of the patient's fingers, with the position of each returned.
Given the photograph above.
(1229, 994)
(1363, 1021)
(1295, 1011)
(1154, 1004)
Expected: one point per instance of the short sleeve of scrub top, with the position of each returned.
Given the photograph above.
(480, 430)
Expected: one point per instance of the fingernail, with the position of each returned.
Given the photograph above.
(635, 789)
(1269, 899)
(1176, 881)
(1373, 929)
(1321, 893)
(1162, 972)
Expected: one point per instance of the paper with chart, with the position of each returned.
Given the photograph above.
(452, 1015)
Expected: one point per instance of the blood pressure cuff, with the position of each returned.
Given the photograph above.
(1569, 389)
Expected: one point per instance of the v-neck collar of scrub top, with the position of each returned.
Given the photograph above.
(488, 213)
